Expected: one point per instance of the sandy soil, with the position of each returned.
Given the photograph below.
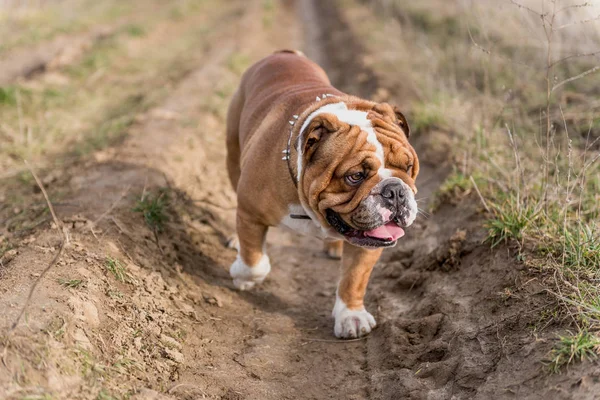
(456, 319)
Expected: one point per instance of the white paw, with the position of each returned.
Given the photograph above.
(351, 324)
(245, 277)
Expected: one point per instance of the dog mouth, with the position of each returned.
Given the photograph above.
(385, 235)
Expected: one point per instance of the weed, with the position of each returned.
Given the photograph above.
(114, 294)
(457, 181)
(104, 395)
(88, 363)
(456, 186)
(509, 221)
(582, 248)
(125, 364)
(135, 30)
(573, 347)
(427, 116)
(153, 210)
(8, 96)
(117, 268)
(70, 283)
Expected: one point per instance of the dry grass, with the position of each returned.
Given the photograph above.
(514, 83)
(29, 23)
(90, 104)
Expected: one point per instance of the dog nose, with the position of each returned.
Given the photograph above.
(393, 192)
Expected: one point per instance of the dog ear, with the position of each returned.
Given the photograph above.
(392, 115)
(316, 131)
(402, 122)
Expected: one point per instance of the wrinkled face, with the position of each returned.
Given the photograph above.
(357, 173)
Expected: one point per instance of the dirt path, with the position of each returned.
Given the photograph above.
(157, 313)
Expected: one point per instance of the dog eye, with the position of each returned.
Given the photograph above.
(409, 168)
(355, 179)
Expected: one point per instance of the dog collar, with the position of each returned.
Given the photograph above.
(288, 151)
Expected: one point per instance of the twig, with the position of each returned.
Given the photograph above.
(573, 78)
(570, 6)
(513, 144)
(489, 52)
(144, 189)
(595, 53)
(65, 240)
(157, 242)
(577, 23)
(549, 71)
(479, 193)
(541, 15)
(568, 188)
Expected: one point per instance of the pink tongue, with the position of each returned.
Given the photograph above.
(389, 231)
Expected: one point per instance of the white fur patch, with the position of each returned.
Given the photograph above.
(384, 173)
(411, 204)
(245, 277)
(351, 323)
(352, 117)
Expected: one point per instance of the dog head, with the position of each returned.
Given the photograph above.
(357, 171)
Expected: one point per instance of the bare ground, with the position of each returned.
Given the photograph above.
(456, 319)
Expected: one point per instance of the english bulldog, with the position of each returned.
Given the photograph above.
(304, 155)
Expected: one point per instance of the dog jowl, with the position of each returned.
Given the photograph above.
(302, 154)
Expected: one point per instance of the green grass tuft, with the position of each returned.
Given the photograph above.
(509, 221)
(455, 182)
(135, 30)
(582, 248)
(117, 268)
(70, 283)
(455, 187)
(427, 116)
(153, 210)
(573, 347)
(104, 395)
(8, 96)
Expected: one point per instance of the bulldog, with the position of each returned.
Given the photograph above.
(304, 155)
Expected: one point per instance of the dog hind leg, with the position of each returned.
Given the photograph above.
(334, 249)
(233, 138)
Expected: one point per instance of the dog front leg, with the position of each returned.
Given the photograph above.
(252, 264)
(351, 318)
